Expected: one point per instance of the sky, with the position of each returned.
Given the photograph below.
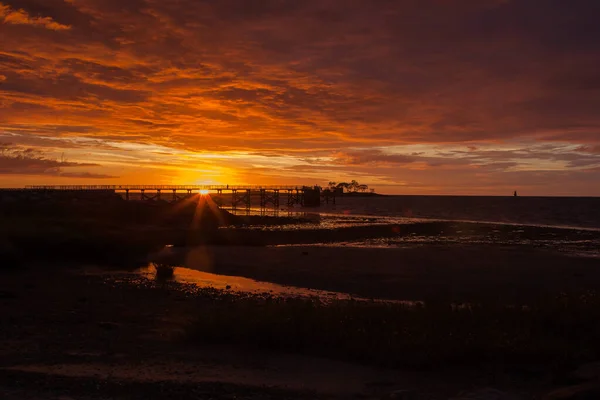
(407, 96)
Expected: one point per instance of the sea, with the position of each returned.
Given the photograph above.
(565, 226)
(569, 225)
(566, 212)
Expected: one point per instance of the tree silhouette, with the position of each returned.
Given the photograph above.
(352, 187)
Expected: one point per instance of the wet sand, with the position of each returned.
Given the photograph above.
(73, 335)
(72, 332)
(417, 272)
(67, 332)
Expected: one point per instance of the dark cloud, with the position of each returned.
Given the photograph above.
(400, 72)
(19, 16)
(17, 160)
(287, 77)
(85, 175)
(590, 149)
(69, 87)
(59, 10)
(373, 157)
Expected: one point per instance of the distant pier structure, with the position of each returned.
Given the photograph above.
(233, 196)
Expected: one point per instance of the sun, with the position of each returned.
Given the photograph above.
(203, 192)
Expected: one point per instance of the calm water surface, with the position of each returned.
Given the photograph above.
(579, 212)
(569, 225)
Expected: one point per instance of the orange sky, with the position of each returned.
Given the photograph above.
(432, 96)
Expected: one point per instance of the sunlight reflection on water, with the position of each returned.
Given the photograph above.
(235, 283)
(246, 285)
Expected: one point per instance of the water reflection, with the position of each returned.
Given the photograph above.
(203, 279)
(589, 248)
(237, 283)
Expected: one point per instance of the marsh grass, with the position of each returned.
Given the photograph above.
(554, 332)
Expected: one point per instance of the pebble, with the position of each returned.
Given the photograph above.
(5, 294)
(403, 394)
(586, 391)
(587, 372)
(108, 325)
(486, 394)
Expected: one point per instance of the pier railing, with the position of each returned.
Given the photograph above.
(240, 195)
(167, 187)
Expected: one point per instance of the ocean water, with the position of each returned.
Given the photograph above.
(560, 224)
(573, 212)
(569, 225)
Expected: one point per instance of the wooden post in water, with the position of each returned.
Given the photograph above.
(311, 197)
(234, 199)
(248, 199)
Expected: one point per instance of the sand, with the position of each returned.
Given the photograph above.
(431, 272)
(65, 333)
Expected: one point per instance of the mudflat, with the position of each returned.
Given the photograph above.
(417, 272)
(67, 334)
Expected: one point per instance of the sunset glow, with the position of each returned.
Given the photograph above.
(477, 97)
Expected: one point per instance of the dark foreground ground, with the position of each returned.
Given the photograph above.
(519, 319)
(66, 334)
(90, 337)
(432, 272)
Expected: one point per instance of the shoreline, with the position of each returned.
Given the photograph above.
(121, 333)
(414, 273)
(113, 331)
(69, 334)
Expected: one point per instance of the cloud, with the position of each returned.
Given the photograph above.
(29, 161)
(310, 78)
(21, 17)
(590, 149)
(85, 175)
(373, 157)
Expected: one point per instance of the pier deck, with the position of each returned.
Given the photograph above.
(243, 196)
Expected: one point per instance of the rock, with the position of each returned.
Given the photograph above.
(587, 372)
(5, 294)
(486, 394)
(10, 256)
(585, 391)
(403, 394)
(108, 325)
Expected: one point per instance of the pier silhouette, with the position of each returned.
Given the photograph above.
(243, 196)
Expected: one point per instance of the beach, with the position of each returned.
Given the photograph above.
(474, 296)
(97, 336)
(415, 273)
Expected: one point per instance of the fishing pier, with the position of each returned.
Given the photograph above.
(232, 196)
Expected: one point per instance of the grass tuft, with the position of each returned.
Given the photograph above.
(554, 332)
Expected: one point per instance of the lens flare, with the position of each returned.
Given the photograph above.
(203, 192)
